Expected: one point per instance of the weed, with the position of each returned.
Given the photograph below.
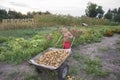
(74, 70)
(103, 49)
(12, 75)
(118, 45)
(28, 76)
(77, 56)
(93, 67)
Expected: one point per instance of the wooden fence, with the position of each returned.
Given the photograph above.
(15, 21)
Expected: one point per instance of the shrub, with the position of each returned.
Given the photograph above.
(108, 34)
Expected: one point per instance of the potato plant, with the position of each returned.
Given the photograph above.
(17, 50)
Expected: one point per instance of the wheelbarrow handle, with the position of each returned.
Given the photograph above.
(58, 40)
(72, 41)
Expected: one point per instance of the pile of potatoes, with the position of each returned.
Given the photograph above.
(52, 58)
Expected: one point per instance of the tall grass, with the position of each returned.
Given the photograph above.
(94, 21)
(53, 20)
(46, 20)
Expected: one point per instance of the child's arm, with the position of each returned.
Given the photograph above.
(70, 35)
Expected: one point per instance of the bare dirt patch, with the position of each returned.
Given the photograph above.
(109, 54)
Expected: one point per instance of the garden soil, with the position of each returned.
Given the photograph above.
(107, 50)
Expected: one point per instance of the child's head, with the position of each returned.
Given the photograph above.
(64, 29)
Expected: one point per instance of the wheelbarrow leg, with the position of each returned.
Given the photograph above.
(63, 71)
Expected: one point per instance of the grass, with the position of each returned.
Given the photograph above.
(28, 76)
(93, 67)
(103, 49)
(18, 33)
(25, 33)
(77, 56)
(118, 45)
(90, 66)
(74, 70)
(78, 79)
(12, 75)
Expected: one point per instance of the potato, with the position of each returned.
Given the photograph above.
(52, 58)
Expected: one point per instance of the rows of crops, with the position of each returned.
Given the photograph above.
(18, 49)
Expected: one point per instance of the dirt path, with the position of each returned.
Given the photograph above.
(107, 50)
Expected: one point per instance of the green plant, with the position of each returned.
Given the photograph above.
(77, 56)
(108, 33)
(12, 75)
(21, 46)
(19, 50)
(103, 49)
(74, 70)
(78, 79)
(93, 67)
(3, 39)
(28, 76)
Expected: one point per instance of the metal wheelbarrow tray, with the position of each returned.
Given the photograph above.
(42, 66)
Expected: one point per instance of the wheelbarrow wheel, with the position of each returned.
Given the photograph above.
(63, 71)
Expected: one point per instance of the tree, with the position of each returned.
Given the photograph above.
(118, 11)
(47, 12)
(114, 11)
(18, 15)
(13, 14)
(113, 15)
(117, 14)
(3, 14)
(117, 18)
(108, 15)
(29, 15)
(94, 11)
(91, 10)
(100, 12)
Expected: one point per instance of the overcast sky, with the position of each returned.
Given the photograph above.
(72, 7)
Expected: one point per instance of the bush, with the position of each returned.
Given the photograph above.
(108, 34)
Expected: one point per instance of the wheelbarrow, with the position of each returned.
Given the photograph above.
(63, 67)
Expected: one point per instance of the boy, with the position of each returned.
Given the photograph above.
(66, 35)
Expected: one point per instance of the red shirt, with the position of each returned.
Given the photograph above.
(66, 45)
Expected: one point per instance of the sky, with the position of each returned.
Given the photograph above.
(64, 7)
